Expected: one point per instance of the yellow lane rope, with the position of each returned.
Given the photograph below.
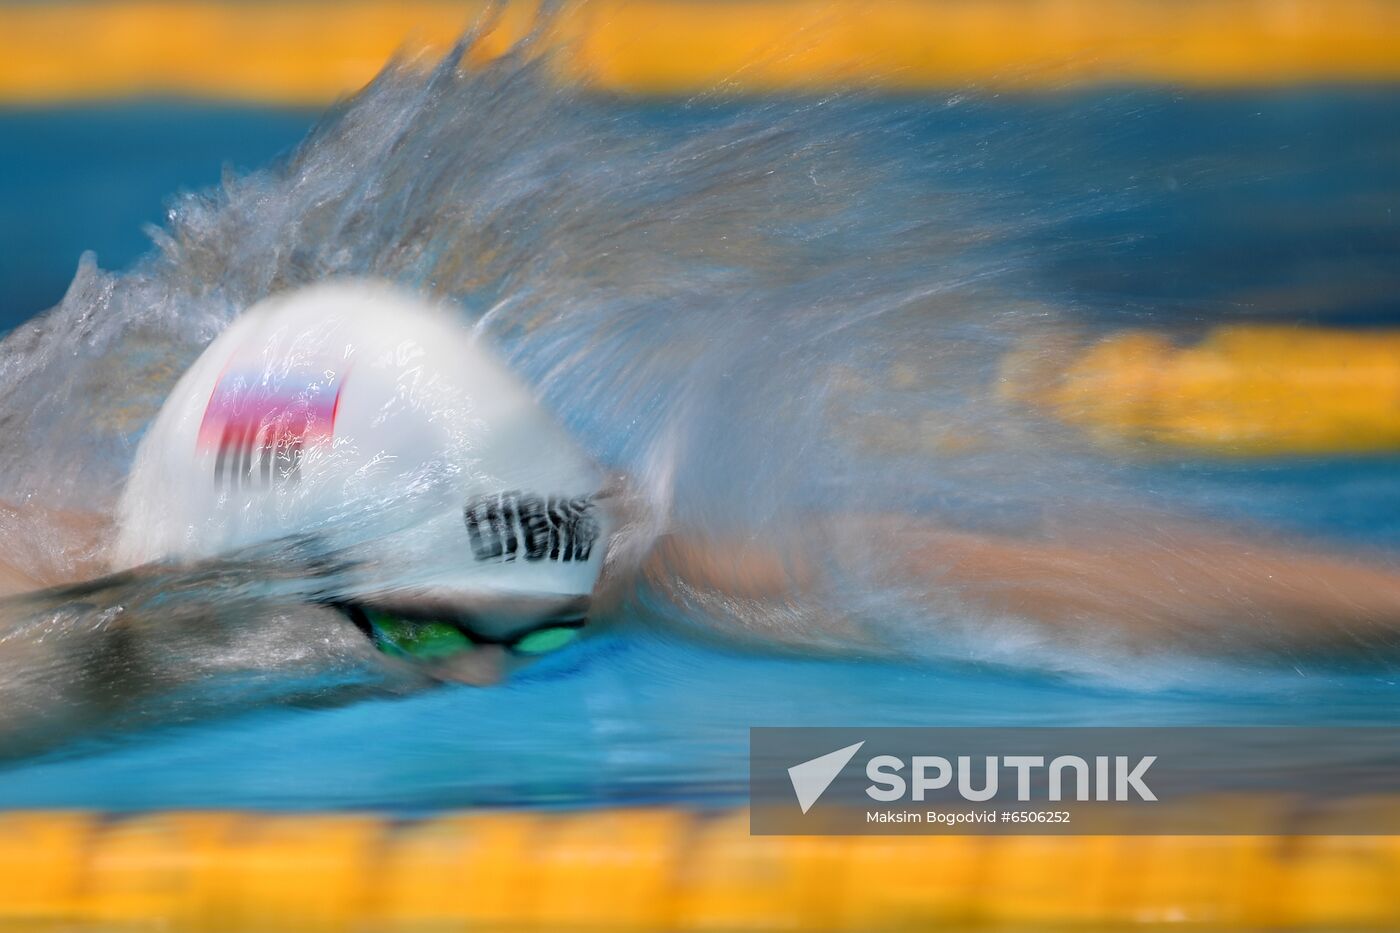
(310, 51)
(660, 869)
(1241, 391)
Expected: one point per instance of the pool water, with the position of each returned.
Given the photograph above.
(1120, 207)
(628, 720)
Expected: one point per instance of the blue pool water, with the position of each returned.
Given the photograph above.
(630, 720)
(1127, 207)
(1276, 203)
(90, 178)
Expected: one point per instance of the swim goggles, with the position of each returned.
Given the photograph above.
(433, 639)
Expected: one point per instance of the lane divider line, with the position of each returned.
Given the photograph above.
(308, 52)
(663, 869)
(1240, 391)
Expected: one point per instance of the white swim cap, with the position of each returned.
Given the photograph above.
(362, 417)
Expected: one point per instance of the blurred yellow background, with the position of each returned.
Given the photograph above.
(310, 52)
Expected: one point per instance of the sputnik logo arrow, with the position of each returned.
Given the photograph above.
(811, 778)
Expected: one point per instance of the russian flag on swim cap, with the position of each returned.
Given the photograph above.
(259, 423)
(359, 413)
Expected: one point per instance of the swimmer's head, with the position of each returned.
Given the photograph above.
(367, 421)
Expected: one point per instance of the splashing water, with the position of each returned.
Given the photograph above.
(761, 312)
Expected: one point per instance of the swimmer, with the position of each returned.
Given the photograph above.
(439, 512)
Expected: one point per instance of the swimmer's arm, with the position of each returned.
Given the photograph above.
(735, 567)
(1190, 587)
(49, 547)
(759, 590)
(1170, 586)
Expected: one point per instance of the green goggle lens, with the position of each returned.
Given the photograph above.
(427, 640)
(545, 640)
(424, 640)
